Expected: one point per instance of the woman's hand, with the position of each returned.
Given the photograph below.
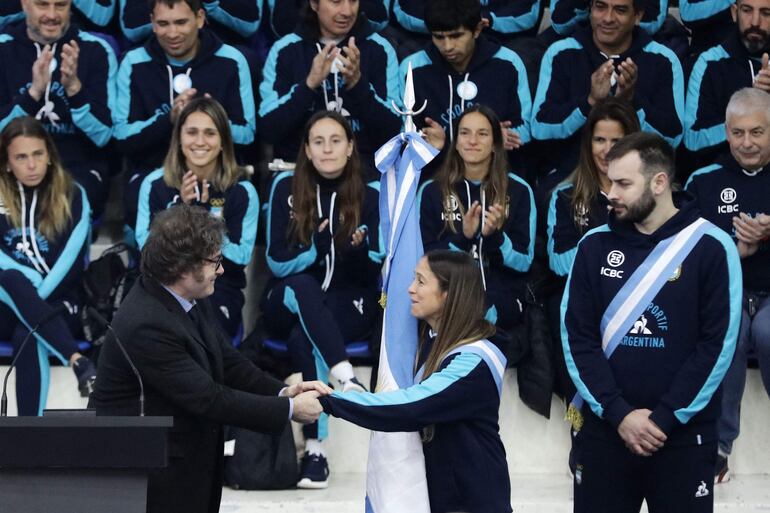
(471, 220)
(493, 220)
(358, 236)
(190, 191)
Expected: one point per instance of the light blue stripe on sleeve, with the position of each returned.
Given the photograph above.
(391, 73)
(7, 263)
(560, 263)
(241, 253)
(574, 373)
(576, 119)
(460, 366)
(134, 34)
(725, 357)
(242, 134)
(298, 263)
(512, 258)
(99, 133)
(406, 20)
(700, 10)
(702, 171)
(697, 139)
(270, 98)
(522, 91)
(122, 128)
(71, 251)
(677, 90)
(577, 15)
(652, 27)
(143, 213)
(10, 19)
(514, 24)
(244, 28)
(98, 13)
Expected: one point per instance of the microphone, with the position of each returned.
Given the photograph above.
(45, 320)
(101, 320)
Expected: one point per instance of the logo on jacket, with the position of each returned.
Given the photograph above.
(615, 258)
(451, 209)
(653, 319)
(702, 490)
(359, 304)
(728, 197)
(290, 201)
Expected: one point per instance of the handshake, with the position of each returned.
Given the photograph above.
(305, 396)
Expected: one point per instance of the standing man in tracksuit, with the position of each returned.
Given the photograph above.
(65, 78)
(650, 316)
(612, 57)
(333, 61)
(733, 194)
(739, 61)
(157, 80)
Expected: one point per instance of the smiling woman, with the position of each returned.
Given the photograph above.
(200, 169)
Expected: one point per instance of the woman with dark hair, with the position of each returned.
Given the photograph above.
(456, 395)
(580, 202)
(44, 225)
(200, 169)
(477, 206)
(325, 253)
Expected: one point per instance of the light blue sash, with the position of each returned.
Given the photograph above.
(488, 352)
(640, 289)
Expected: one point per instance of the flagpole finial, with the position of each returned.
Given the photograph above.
(409, 101)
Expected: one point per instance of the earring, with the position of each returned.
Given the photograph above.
(348, 156)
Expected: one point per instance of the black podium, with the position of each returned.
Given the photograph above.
(79, 464)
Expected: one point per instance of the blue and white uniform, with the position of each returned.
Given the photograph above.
(322, 294)
(504, 257)
(465, 459)
(671, 361)
(724, 190)
(81, 125)
(38, 273)
(238, 206)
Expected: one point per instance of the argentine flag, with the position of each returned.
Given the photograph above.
(396, 467)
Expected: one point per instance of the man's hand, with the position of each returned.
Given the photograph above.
(358, 237)
(306, 386)
(601, 82)
(640, 434)
(749, 229)
(41, 73)
(627, 74)
(180, 102)
(762, 80)
(191, 191)
(434, 134)
(351, 59)
(511, 138)
(321, 66)
(70, 54)
(493, 220)
(307, 409)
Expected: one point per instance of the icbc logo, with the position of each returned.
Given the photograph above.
(615, 258)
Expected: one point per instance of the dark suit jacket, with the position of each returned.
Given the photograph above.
(192, 374)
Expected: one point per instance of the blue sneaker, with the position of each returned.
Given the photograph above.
(86, 373)
(314, 472)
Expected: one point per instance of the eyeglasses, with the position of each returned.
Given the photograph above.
(216, 261)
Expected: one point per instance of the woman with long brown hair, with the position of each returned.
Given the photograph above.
(456, 395)
(580, 202)
(476, 205)
(44, 227)
(200, 169)
(324, 250)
